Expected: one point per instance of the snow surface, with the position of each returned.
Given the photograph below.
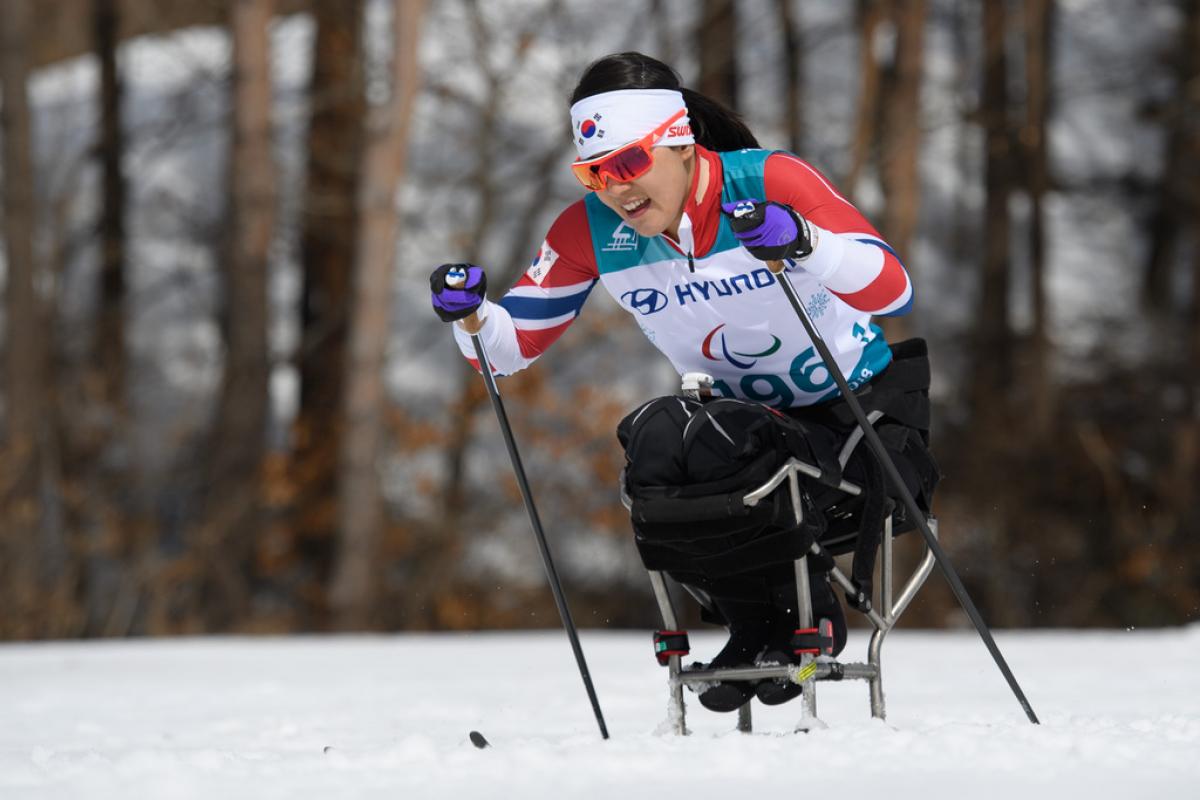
(388, 716)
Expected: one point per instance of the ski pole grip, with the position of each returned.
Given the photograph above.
(456, 279)
(776, 266)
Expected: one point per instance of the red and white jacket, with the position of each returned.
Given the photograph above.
(704, 301)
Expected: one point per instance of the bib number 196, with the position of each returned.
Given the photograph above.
(808, 374)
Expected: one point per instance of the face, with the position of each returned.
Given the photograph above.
(654, 202)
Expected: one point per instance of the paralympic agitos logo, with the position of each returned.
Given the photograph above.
(706, 349)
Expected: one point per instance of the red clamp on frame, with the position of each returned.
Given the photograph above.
(816, 641)
(670, 643)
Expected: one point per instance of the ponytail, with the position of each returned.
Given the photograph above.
(713, 125)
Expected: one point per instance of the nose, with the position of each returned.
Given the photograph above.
(618, 188)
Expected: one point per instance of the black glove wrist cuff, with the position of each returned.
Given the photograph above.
(800, 247)
(455, 316)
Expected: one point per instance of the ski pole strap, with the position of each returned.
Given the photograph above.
(670, 643)
(816, 641)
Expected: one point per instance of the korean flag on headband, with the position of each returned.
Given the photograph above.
(542, 263)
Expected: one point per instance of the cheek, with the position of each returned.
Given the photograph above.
(670, 185)
(607, 200)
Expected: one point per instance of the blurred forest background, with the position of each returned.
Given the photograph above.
(227, 406)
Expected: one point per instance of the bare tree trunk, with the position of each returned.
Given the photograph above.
(716, 40)
(992, 359)
(871, 14)
(233, 507)
(963, 238)
(360, 504)
(901, 149)
(25, 338)
(471, 396)
(109, 347)
(793, 76)
(61, 37)
(991, 354)
(328, 242)
(1170, 216)
(491, 205)
(97, 460)
(436, 571)
(1037, 177)
(1187, 442)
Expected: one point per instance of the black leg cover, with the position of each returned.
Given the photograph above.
(750, 628)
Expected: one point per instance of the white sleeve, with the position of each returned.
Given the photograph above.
(860, 269)
(499, 336)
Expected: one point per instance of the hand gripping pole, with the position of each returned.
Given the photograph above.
(914, 512)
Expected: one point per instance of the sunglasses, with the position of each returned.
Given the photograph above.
(625, 163)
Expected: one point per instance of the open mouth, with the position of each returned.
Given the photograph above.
(635, 208)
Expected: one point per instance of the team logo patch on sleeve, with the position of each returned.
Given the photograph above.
(542, 263)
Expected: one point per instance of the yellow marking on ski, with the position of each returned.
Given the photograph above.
(805, 672)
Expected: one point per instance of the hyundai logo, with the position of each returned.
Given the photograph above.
(645, 301)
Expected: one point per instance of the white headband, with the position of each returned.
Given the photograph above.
(610, 120)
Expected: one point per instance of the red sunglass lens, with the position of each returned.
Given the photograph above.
(627, 165)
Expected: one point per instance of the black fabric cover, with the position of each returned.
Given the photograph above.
(688, 468)
(901, 392)
(689, 465)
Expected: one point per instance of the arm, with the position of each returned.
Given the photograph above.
(542, 304)
(849, 256)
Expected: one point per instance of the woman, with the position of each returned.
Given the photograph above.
(666, 168)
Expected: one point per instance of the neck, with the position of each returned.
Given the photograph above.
(697, 163)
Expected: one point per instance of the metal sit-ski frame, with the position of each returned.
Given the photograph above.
(811, 668)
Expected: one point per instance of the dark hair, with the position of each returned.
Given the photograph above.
(714, 126)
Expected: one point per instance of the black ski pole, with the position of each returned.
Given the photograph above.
(910, 503)
(485, 367)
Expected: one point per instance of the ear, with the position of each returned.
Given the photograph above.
(686, 152)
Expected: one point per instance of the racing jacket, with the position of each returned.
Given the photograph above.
(704, 301)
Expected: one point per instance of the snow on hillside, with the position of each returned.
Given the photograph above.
(388, 717)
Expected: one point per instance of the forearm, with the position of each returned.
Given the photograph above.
(495, 327)
(863, 272)
(471, 324)
(849, 257)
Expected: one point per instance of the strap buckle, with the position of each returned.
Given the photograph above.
(670, 643)
(816, 641)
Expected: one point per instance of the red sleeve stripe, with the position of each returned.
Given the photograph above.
(544, 324)
(781, 188)
(534, 342)
(527, 288)
(474, 362)
(889, 286)
(571, 238)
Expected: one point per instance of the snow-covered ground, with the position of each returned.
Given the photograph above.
(388, 717)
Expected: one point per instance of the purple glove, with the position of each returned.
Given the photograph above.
(461, 297)
(770, 231)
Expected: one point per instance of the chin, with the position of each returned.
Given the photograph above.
(648, 227)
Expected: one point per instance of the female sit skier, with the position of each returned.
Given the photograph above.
(666, 168)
